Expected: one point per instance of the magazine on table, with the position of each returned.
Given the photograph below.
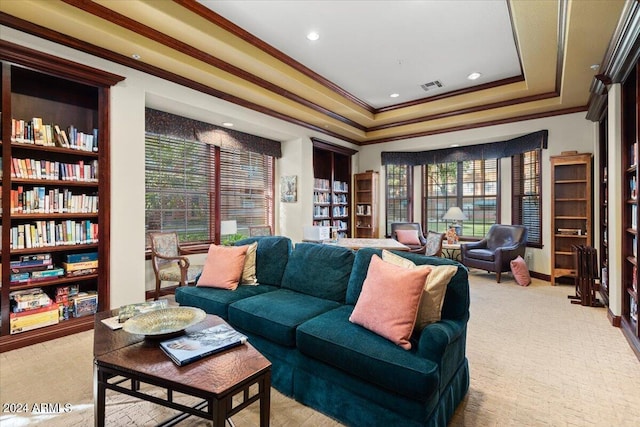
(197, 345)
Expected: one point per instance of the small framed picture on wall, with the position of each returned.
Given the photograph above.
(289, 189)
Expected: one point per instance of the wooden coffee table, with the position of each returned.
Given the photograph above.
(123, 361)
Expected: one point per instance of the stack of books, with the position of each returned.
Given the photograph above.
(31, 309)
(34, 268)
(80, 264)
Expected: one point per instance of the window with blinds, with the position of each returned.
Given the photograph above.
(246, 188)
(470, 185)
(526, 207)
(185, 193)
(399, 188)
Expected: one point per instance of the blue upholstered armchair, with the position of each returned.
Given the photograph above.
(502, 244)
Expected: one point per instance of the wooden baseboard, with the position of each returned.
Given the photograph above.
(615, 320)
(540, 276)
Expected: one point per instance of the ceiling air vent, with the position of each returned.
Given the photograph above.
(431, 85)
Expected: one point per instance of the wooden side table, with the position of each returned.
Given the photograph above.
(452, 251)
(123, 361)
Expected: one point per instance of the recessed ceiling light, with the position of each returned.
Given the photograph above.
(474, 76)
(455, 145)
(135, 56)
(313, 36)
(594, 67)
(394, 95)
(227, 124)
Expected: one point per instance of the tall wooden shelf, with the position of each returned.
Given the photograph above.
(332, 187)
(630, 215)
(35, 84)
(571, 211)
(366, 205)
(604, 212)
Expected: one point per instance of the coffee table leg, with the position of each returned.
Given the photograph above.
(265, 400)
(99, 392)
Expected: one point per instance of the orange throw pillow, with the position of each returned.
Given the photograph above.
(223, 267)
(388, 303)
(408, 237)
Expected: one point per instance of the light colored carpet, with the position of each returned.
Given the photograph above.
(535, 360)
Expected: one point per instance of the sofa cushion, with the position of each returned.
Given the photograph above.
(319, 270)
(223, 267)
(332, 339)
(249, 269)
(388, 303)
(276, 315)
(430, 308)
(272, 255)
(361, 266)
(483, 254)
(216, 301)
(408, 237)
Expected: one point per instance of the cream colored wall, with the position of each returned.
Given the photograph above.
(566, 132)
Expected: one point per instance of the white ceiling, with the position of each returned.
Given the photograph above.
(372, 49)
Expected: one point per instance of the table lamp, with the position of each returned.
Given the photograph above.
(456, 215)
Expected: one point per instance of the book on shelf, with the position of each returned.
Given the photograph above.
(195, 346)
(128, 311)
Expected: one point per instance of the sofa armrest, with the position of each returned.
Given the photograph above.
(436, 337)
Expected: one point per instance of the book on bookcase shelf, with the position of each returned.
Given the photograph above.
(82, 171)
(195, 346)
(35, 132)
(52, 200)
(45, 233)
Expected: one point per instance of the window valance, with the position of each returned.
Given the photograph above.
(160, 122)
(492, 150)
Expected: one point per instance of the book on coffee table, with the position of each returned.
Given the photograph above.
(197, 345)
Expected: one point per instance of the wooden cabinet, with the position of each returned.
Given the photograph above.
(331, 187)
(571, 211)
(604, 212)
(55, 192)
(630, 214)
(366, 205)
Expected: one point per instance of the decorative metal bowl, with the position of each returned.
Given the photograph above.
(164, 322)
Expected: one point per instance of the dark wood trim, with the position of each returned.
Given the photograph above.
(48, 64)
(476, 125)
(62, 329)
(541, 276)
(613, 319)
(446, 95)
(152, 34)
(324, 145)
(633, 340)
(465, 111)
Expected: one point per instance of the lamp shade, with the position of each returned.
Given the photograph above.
(228, 227)
(454, 214)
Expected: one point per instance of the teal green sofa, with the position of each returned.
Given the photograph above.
(298, 317)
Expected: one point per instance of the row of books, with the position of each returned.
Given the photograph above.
(34, 131)
(48, 169)
(40, 267)
(321, 184)
(34, 308)
(44, 233)
(633, 155)
(57, 200)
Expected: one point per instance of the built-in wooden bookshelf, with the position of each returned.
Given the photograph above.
(366, 205)
(631, 216)
(571, 211)
(331, 187)
(56, 187)
(604, 211)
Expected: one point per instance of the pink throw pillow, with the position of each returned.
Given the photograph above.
(223, 267)
(408, 237)
(388, 303)
(520, 271)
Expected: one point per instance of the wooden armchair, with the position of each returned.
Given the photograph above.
(414, 239)
(169, 263)
(433, 245)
